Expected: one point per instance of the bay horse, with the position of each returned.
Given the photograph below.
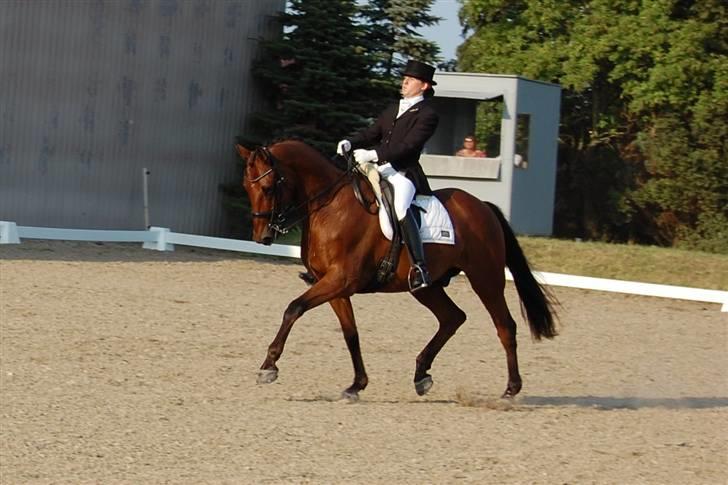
(342, 245)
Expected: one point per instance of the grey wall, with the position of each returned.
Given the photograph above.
(92, 91)
(534, 188)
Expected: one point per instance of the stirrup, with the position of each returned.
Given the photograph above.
(418, 278)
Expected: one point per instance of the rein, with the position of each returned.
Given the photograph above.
(279, 220)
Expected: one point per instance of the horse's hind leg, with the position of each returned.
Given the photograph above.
(494, 300)
(450, 317)
(343, 310)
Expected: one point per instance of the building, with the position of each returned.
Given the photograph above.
(92, 93)
(521, 179)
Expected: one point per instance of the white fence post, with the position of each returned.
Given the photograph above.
(160, 243)
(9, 233)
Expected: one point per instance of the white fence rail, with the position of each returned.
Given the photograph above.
(162, 239)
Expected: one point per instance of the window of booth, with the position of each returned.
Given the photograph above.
(488, 116)
(523, 126)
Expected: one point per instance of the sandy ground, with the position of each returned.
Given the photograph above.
(121, 365)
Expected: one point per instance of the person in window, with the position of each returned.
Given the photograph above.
(470, 148)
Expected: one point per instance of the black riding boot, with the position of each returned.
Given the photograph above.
(418, 277)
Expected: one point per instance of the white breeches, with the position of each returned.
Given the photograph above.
(404, 189)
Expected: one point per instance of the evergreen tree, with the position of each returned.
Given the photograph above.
(393, 37)
(317, 73)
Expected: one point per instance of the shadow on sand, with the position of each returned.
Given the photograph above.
(45, 250)
(607, 403)
(533, 402)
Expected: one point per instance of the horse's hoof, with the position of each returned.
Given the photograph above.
(512, 389)
(509, 394)
(423, 385)
(350, 396)
(266, 376)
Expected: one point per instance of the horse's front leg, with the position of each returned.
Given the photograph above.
(343, 310)
(324, 290)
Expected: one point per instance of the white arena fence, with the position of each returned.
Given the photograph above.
(162, 239)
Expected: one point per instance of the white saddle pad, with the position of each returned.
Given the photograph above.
(435, 226)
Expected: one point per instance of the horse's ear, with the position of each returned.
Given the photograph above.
(242, 151)
(245, 146)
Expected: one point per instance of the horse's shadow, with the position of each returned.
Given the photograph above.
(524, 403)
(631, 402)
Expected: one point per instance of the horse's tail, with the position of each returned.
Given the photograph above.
(535, 300)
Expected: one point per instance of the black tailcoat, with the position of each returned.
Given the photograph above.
(400, 141)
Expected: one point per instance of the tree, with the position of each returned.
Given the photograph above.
(683, 100)
(644, 106)
(317, 73)
(393, 37)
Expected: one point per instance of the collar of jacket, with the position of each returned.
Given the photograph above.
(413, 109)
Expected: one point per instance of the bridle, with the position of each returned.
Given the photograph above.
(277, 216)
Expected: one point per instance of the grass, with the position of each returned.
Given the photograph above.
(648, 264)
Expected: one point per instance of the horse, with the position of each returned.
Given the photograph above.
(342, 245)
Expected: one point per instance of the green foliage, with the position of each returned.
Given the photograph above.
(393, 36)
(489, 115)
(317, 73)
(644, 109)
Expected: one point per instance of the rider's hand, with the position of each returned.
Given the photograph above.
(364, 156)
(343, 147)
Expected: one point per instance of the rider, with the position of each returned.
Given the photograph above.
(394, 142)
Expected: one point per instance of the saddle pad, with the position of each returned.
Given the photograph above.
(435, 227)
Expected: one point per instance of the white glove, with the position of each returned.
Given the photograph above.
(364, 156)
(343, 147)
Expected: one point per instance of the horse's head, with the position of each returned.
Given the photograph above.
(265, 185)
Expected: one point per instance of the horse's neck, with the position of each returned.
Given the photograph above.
(314, 183)
(314, 175)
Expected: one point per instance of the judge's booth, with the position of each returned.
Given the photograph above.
(518, 173)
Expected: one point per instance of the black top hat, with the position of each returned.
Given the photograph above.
(420, 70)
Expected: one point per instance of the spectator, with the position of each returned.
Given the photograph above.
(470, 148)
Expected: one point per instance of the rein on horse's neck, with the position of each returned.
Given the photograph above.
(316, 178)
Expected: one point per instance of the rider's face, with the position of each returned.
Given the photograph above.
(412, 87)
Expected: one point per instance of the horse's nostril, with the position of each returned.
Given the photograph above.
(268, 240)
